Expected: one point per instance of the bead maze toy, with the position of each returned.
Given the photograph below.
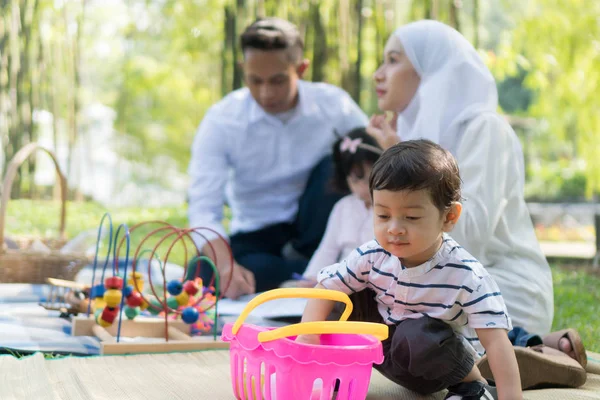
(269, 364)
(114, 308)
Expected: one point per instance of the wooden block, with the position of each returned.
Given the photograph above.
(176, 334)
(102, 334)
(194, 344)
(145, 327)
(66, 284)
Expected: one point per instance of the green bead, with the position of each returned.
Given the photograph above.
(158, 307)
(131, 313)
(97, 313)
(172, 303)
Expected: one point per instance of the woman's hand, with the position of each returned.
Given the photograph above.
(384, 131)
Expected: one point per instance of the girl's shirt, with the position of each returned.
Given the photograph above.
(350, 225)
(452, 286)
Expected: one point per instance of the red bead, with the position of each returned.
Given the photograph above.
(134, 300)
(109, 314)
(191, 288)
(114, 282)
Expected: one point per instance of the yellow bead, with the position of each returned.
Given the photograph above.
(102, 322)
(183, 298)
(99, 304)
(144, 305)
(134, 278)
(113, 297)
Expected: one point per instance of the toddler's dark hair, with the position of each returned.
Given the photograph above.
(416, 165)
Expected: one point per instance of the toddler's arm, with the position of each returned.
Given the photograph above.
(503, 363)
(315, 310)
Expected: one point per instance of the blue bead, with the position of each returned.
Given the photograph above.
(174, 287)
(97, 291)
(128, 290)
(190, 315)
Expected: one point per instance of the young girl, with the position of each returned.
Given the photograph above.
(350, 222)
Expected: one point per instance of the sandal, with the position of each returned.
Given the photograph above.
(542, 367)
(552, 340)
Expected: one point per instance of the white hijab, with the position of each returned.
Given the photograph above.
(455, 87)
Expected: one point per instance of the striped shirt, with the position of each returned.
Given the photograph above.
(452, 286)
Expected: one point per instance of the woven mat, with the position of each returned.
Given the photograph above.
(180, 376)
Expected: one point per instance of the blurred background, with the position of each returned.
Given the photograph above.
(117, 89)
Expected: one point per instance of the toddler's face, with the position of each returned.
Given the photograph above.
(409, 225)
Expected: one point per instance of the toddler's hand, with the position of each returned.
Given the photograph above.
(309, 339)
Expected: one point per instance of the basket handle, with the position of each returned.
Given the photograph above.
(380, 331)
(11, 172)
(291, 294)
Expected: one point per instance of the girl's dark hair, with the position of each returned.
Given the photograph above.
(346, 161)
(416, 165)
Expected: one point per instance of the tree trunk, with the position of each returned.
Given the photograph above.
(319, 44)
(476, 23)
(454, 14)
(260, 9)
(237, 70)
(4, 71)
(359, 53)
(14, 136)
(224, 51)
(75, 99)
(343, 42)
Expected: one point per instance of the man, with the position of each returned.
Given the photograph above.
(264, 149)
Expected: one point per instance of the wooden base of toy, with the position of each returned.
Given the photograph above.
(179, 338)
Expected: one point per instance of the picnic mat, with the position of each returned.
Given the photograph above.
(27, 327)
(183, 376)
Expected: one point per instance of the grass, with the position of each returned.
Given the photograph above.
(577, 303)
(576, 289)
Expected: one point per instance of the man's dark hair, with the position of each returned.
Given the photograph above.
(417, 165)
(270, 34)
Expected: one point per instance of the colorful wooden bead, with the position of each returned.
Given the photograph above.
(113, 297)
(182, 299)
(99, 303)
(158, 307)
(172, 303)
(128, 290)
(134, 300)
(136, 280)
(131, 312)
(102, 322)
(143, 305)
(190, 288)
(190, 315)
(109, 314)
(113, 282)
(97, 291)
(174, 287)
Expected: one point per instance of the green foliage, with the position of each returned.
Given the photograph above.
(26, 218)
(576, 298)
(559, 181)
(558, 44)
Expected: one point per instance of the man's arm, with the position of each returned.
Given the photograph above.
(209, 170)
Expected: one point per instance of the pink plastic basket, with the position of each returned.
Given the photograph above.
(288, 370)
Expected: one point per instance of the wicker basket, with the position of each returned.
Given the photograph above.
(25, 265)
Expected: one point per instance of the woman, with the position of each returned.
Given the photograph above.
(438, 88)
